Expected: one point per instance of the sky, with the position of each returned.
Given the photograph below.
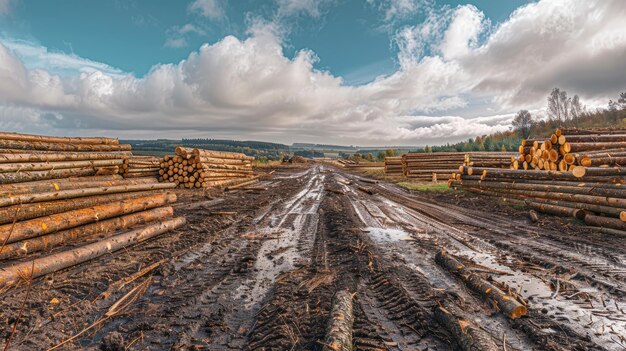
(351, 72)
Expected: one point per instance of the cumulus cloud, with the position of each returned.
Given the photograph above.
(213, 9)
(248, 88)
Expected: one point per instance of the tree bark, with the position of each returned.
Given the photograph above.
(75, 193)
(27, 145)
(20, 177)
(507, 304)
(11, 233)
(102, 229)
(53, 139)
(58, 261)
(339, 330)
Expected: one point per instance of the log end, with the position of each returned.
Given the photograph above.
(579, 171)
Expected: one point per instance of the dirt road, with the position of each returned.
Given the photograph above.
(264, 279)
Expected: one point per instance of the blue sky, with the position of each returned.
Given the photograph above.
(351, 39)
(363, 72)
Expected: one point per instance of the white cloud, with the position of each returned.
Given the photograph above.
(176, 36)
(297, 7)
(250, 89)
(36, 56)
(400, 9)
(212, 9)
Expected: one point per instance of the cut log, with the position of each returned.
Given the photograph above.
(467, 336)
(606, 222)
(54, 139)
(26, 145)
(507, 304)
(58, 157)
(19, 177)
(41, 266)
(75, 193)
(340, 322)
(67, 184)
(23, 212)
(100, 230)
(11, 233)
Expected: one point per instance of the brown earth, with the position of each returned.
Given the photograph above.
(264, 278)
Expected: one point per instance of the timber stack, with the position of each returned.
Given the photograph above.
(442, 165)
(141, 166)
(588, 182)
(394, 166)
(57, 191)
(571, 147)
(364, 165)
(199, 168)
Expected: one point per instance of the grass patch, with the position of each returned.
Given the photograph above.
(432, 187)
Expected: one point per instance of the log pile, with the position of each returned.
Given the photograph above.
(199, 168)
(26, 157)
(141, 166)
(364, 165)
(591, 188)
(442, 165)
(570, 147)
(57, 191)
(394, 166)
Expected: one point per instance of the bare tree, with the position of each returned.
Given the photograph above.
(554, 104)
(576, 108)
(565, 103)
(523, 123)
(622, 101)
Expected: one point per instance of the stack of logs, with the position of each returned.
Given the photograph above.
(199, 168)
(443, 165)
(394, 166)
(51, 195)
(568, 148)
(364, 165)
(141, 166)
(591, 187)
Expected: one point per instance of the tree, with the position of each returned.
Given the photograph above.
(389, 152)
(523, 123)
(576, 108)
(622, 101)
(558, 105)
(381, 155)
(503, 149)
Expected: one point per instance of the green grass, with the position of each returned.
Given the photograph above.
(432, 187)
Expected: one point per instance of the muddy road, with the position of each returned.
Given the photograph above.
(258, 271)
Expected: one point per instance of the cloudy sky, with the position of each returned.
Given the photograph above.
(361, 72)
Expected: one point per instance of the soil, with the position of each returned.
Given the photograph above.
(264, 278)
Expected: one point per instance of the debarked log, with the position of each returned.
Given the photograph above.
(101, 229)
(41, 266)
(55, 139)
(10, 233)
(75, 193)
(46, 146)
(506, 303)
(44, 166)
(19, 177)
(69, 183)
(23, 212)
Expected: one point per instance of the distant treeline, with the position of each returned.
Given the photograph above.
(258, 145)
